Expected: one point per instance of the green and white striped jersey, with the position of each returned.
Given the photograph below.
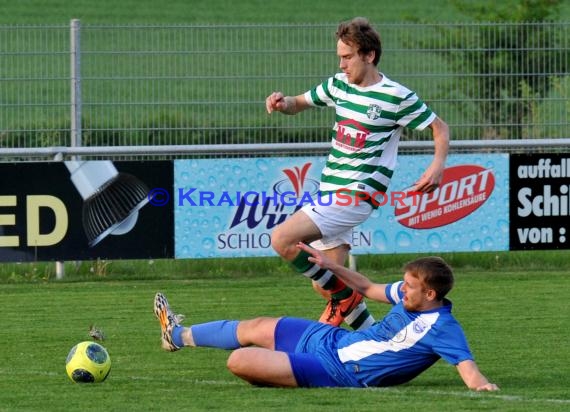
(367, 129)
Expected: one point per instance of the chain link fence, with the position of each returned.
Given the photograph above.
(102, 85)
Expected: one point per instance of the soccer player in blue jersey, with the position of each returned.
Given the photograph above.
(371, 113)
(292, 352)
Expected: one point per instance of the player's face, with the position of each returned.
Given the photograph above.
(355, 66)
(415, 294)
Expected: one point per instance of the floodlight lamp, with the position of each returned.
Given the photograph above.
(111, 200)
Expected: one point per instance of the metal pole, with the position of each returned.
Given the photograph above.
(506, 146)
(75, 114)
(75, 54)
(59, 270)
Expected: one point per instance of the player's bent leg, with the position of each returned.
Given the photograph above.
(319, 289)
(339, 254)
(265, 367)
(343, 303)
(260, 366)
(259, 332)
(298, 228)
(342, 300)
(230, 334)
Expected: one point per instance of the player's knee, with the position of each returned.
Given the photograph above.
(236, 362)
(280, 244)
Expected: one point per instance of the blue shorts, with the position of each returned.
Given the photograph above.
(307, 367)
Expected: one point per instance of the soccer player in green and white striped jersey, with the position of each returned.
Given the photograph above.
(371, 112)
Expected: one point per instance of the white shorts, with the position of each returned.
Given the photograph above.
(335, 221)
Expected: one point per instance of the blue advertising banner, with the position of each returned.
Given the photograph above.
(228, 207)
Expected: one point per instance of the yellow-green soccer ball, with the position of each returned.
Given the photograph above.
(88, 362)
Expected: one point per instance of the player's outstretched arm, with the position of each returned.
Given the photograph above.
(278, 102)
(473, 378)
(355, 280)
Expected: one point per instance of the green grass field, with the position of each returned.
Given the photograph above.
(514, 319)
(513, 306)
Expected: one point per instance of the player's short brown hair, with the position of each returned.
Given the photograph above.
(434, 272)
(358, 32)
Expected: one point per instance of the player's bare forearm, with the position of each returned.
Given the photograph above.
(290, 106)
(278, 102)
(440, 131)
(473, 378)
(354, 280)
(432, 177)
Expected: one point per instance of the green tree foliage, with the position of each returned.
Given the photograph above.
(511, 65)
(509, 10)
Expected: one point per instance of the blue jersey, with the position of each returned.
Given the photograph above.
(392, 351)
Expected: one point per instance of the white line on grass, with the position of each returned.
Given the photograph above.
(462, 394)
(483, 395)
(196, 381)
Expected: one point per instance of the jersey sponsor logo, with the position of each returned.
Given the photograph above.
(351, 135)
(341, 102)
(463, 190)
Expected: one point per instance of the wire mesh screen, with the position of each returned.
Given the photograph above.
(34, 86)
(179, 85)
(199, 85)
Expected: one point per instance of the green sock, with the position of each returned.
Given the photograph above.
(301, 262)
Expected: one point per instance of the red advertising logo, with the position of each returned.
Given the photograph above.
(297, 177)
(463, 190)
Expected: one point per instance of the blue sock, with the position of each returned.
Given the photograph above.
(220, 334)
(177, 336)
